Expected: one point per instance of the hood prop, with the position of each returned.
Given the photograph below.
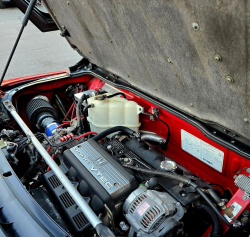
(24, 23)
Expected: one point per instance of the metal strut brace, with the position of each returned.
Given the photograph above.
(102, 230)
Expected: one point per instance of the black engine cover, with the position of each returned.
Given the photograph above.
(106, 177)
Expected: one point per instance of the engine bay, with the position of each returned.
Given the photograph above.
(142, 170)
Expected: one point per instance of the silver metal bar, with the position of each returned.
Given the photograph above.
(85, 208)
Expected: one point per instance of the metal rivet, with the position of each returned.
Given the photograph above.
(232, 142)
(107, 77)
(217, 57)
(195, 26)
(169, 60)
(230, 79)
(214, 132)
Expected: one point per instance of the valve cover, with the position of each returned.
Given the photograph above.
(106, 177)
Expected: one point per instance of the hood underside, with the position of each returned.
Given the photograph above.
(168, 49)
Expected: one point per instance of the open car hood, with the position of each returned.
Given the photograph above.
(192, 55)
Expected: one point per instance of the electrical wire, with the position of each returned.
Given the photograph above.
(53, 157)
(53, 144)
(218, 186)
(68, 112)
(156, 113)
(86, 134)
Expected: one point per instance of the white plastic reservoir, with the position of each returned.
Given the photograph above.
(115, 111)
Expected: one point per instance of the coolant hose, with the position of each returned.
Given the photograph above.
(216, 210)
(78, 114)
(109, 131)
(86, 127)
(160, 173)
(185, 181)
(216, 225)
(214, 196)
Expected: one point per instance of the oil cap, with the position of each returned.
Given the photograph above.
(168, 165)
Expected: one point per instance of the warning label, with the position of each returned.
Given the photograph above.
(202, 150)
(143, 208)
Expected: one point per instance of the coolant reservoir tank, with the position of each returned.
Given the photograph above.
(114, 111)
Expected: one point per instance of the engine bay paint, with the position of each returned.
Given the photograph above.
(174, 151)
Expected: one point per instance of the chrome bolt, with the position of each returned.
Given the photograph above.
(124, 226)
(230, 79)
(245, 197)
(217, 57)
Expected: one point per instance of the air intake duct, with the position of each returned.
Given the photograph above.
(42, 115)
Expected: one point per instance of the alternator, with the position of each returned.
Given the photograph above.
(152, 213)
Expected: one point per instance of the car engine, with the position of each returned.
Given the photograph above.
(119, 170)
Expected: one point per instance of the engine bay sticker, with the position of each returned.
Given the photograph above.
(202, 150)
(143, 208)
(237, 207)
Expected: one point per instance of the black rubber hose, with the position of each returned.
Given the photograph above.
(160, 173)
(109, 131)
(33, 151)
(216, 210)
(86, 126)
(216, 224)
(214, 196)
(78, 113)
(60, 105)
(185, 181)
(119, 93)
(156, 113)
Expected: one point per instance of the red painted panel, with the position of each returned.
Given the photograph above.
(232, 161)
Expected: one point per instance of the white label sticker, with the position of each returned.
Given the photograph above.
(202, 150)
(237, 207)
